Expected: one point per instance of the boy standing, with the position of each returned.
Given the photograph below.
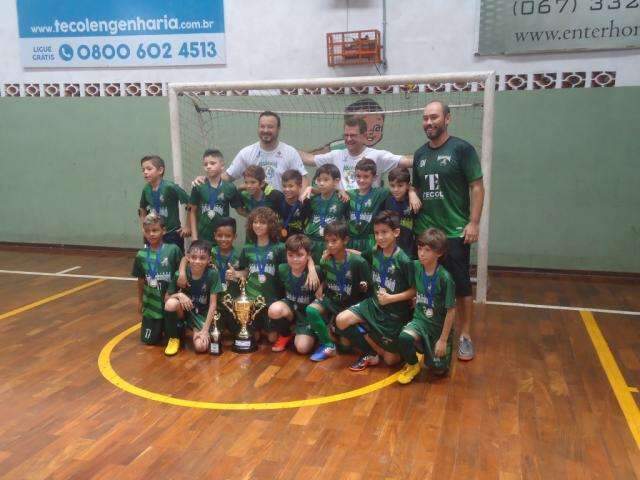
(293, 219)
(431, 329)
(323, 208)
(383, 315)
(210, 201)
(347, 280)
(162, 197)
(197, 302)
(225, 256)
(364, 204)
(154, 266)
(292, 278)
(398, 201)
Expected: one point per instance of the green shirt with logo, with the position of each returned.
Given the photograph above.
(342, 281)
(321, 212)
(362, 211)
(442, 295)
(200, 290)
(262, 260)
(442, 176)
(164, 202)
(395, 275)
(212, 204)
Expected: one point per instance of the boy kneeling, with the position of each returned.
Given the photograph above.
(195, 301)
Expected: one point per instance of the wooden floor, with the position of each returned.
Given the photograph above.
(535, 403)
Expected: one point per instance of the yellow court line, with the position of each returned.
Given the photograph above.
(634, 389)
(49, 299)
(620, 388)
(104, 365)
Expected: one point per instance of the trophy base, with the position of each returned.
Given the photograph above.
(215, 348)
(244, 345)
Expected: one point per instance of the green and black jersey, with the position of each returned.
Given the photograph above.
(164, 202)
(362, 211)
(212, 204)
(295, 291)
(294, 218)
(436, 292)
(199, 290)
(271, 198)
(342, 281)
(221, 263)
(262, 263)
(321, 212)
(442, 176)
(157, 268)
(406, 240)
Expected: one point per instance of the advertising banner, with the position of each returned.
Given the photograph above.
(523, 26)
(120, 33)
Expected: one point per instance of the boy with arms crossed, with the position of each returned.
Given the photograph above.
(431, 329)
(383, 315)
(210, 201)
(162, 197)
(197, 302)
(292, 277)
(365, 202)
(347, 279)
(154, 266)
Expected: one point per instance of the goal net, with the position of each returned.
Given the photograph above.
(225, 116)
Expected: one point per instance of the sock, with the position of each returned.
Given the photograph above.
(357, 340)
(281, 326)
(407, 348)
(171, 324)
(318, 325)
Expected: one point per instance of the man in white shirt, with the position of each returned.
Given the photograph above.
(355, 130)
(274, 156)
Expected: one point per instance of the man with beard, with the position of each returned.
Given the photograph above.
(274, 156)
(448, 179)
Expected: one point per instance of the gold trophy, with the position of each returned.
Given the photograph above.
(215, 342)
(244, 310)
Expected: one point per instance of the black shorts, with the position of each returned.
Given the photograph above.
(151, 330)
(457, 262)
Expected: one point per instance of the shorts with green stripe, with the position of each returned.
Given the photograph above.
(383, 328)
(428, 337)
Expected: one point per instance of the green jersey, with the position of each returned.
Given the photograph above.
(271, 198)
(395, 275)
(262, 263)
(212, 203)
(164, 202)
(293, 287)
(200, 290)
(342, 280)
(362, 211)
(321, 212)
(221, 264)
(436, 292)
(442, 176)
(406, 239)
(294, 217)
(157, 268)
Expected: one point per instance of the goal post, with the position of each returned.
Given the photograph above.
(224, 115)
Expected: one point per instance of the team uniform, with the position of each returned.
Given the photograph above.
(297, 296)
(434, 296)
(274, 162)
(384, 322)
(164, 202)
(199, 291)
(271, 198)
(406, 240)
(294, 218)
(320, 213)
(157, 268)
(212, 204)
(442, 176)
(342, 283)
(346, 163)
(262, 263)
(362, 211)
(221, 264)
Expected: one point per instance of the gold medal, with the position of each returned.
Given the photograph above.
(284, 233)
(382, 290)
(429, 312)
(211, 214)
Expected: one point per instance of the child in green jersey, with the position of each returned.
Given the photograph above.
(293, 219)
(154, 266)
(210, 201)
(382, 316)
(365, 202)
(292, 277)
(431, 329)
(196, 303)
(324, 207)
(257, 193)
(347, 278)
(398, 201)
(162, 197)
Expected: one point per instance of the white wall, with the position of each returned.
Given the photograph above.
(286, 39)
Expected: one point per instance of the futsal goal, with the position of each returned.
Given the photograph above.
(224, 115)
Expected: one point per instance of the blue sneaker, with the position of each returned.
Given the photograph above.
(323, 352)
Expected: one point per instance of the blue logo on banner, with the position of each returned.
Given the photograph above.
(65, 52)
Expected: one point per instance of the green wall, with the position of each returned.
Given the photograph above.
(564, 177)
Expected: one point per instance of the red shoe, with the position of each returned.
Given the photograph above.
(281, 343)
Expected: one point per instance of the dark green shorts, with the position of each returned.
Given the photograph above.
(428, 336)
(151, 330)
(381, 327)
